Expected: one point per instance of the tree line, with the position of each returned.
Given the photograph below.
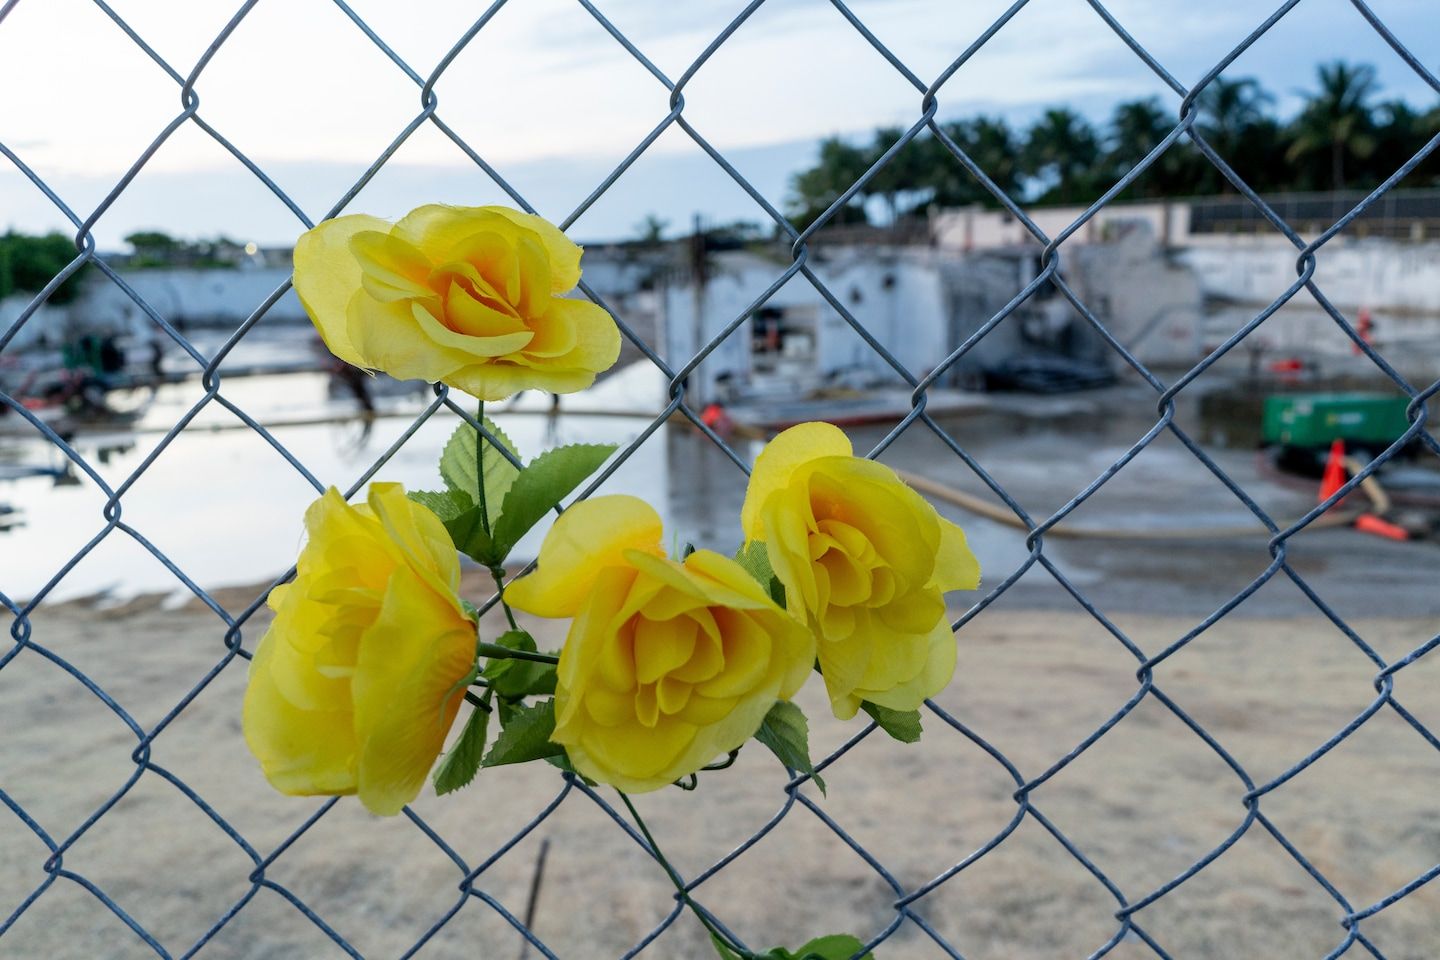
(1342, 137)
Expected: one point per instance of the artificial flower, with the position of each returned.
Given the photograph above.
(668, 664)
(468, 296)
(865, 562)
(354, 685)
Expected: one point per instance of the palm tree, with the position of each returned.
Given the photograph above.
(651, 230)
(1234, 120)
(1136, 128)
(1229, 108)
(991, 144)
(1400, 132)
(1338, 119)
(906, 172)
(1063, 148)
(814, 190)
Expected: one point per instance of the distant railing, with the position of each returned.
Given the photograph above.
(1397, 215)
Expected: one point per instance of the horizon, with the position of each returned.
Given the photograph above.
(599, 98)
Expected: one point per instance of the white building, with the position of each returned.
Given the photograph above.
(919, 303)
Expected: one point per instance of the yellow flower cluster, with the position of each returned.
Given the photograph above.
(669, 663)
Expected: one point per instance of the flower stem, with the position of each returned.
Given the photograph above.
(496, 652)
(480, 467)
(496, 571)
(715, 935)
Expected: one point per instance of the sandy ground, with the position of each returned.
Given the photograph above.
(1146, 801)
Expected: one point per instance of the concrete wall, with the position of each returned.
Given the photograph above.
(898, 296)
(186, 297)
(1377, 274)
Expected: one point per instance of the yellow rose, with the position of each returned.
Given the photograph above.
(865, 562)
(352, 689)
(469, 296)
(667, 665)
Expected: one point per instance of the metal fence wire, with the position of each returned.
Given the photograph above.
(1129, 905)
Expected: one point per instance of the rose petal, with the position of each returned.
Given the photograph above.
(390, 268)
(789, 449)
(588, 537)
(404, 687)
(327, 276)
(302, 752)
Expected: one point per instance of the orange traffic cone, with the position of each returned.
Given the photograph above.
(1335, 473)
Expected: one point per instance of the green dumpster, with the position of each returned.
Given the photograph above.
(1317, 419)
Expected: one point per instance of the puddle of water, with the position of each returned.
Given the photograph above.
(226, 508)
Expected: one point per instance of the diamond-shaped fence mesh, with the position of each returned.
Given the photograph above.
(52, 862)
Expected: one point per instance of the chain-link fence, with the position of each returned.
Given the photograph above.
(907, 926)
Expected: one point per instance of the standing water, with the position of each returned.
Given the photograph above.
(227, 508)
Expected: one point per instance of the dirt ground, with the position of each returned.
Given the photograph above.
(1146, 801)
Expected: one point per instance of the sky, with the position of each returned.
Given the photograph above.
(551, 100)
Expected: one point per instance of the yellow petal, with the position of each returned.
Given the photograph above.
(939, 668)
(956, 567)
(388, 335)
(420, 536)
(301, 752)
(748, 652)
(662, 647)
(728, 583)
(596, 343)
(475, 318)
(474, 348)
(487, 259)
(327, 276)
(563, 252)
(499, 379)
(607, 708)
(404, 689)
(390, 268)
(895, 658)
(843, 664)
(791, 448)
(533, 272)
(634, 757)
(588, 537)
(441, 227)
(787, 526)
(590, 647)
(899, 524)
(913, 612)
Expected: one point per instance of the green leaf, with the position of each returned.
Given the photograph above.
(467, 532)
(543, 483)
(460, 765)
(519, 678)
(755, 560)
(525, 735)
(457, 466)
(786, 732)
(837, 946)
(445, 504)
(903, 725)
